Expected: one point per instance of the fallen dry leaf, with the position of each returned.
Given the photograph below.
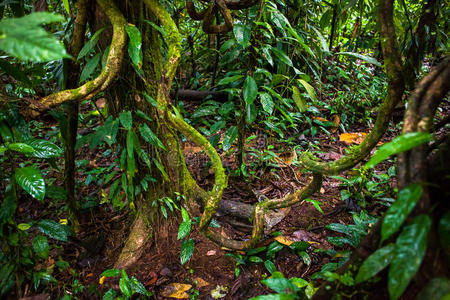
(320, 119)
(211, 252)
(102, 280)
(336, 121)
(284, 240)
(201, 282)
(152, 279)
(176, 290)
(352, 137)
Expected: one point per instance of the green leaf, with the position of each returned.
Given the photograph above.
(9, 205)
(401, 143)
(365, 58)
(54, 230)
(323, 42)
(150, 137)
(255, 259)
(25, 39)
(229, 137)
(187, 250)
(66, 6)
(400, 209)
(15, 72)
(90, 66)
(376, 262)
(299, 100)
(242, 34)
(23, 226)
(124, 287)
(267, 102)
(185, 226)
(410, 249)
(300, 245)
(316, 204)
(270, 266)
(126, 119)
(228, 80)
(280, 285)
(138, 287)
(109, 295)
(134, 45)
(90, 44)
(21, 147)
(251, 113)
(30, 179)
(309, 89)
(41, 247)
(436, 288)
(267, 55)
(110, 273)
(250, 90)
(282, 56)
(45, 149)
(160, 168)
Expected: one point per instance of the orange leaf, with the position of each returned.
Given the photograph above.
(352, 137)
(176, 290)
(284, 240)
(320, 119)
(336, 121)
(102, 280)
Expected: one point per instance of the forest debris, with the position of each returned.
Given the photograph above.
(201, 282)
(176, 290)
(219, 292)
(336, 121)
(352, 137)
(211, 252)
(274, 217)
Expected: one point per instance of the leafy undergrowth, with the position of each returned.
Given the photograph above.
(301, 243)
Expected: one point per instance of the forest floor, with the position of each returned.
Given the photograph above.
(212, 269)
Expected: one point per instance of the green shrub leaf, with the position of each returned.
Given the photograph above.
(54, 230)
(30, 179)
(400, 144)
(229, 137)
(242, 34)
(40, 246)
(45, 149)
(410, 249)
(126, 119)
(250, 90)
(400, 209)
(134, 45)
(187, 249)
(375, 263)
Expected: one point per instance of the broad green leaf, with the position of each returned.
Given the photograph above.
(138, 287)
(228, 80)
(90, 44)
(217, 126)
(185, 226)
(255, 259)
(249, 90)
(202, 111)
(401, 143)
(126, 119)
(229, 137)
(66, 6)
(270, 266)
(299, 282)
(267, 102)
(30, 179)
(110, 273)
(242, 34)
(251, 112)
(124, 287)
(41, 247)
(150, 137)
(267, 55)
(45, 149)
(90, 66)
(400, 209)
(14, 71)
(109, 295)
(299, 100)
(227, 45)
(185, 215)
(300, 245)
(365, 58)
(160, 168)
(54, 230)
(280, 285)
(21, 147)
(410, 249)
(187, 249)
(376, 262)
(134, 45)
(25, 39)
(309, 89)
(23, 226)
(322, 40)
(282, 56)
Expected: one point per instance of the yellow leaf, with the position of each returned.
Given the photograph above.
(352, 137)
(102, 279)
(336, 121)
(283, 240)
(63, 221)
(320, 119)
(176, 290)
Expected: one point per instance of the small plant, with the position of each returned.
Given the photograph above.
(128, 286)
